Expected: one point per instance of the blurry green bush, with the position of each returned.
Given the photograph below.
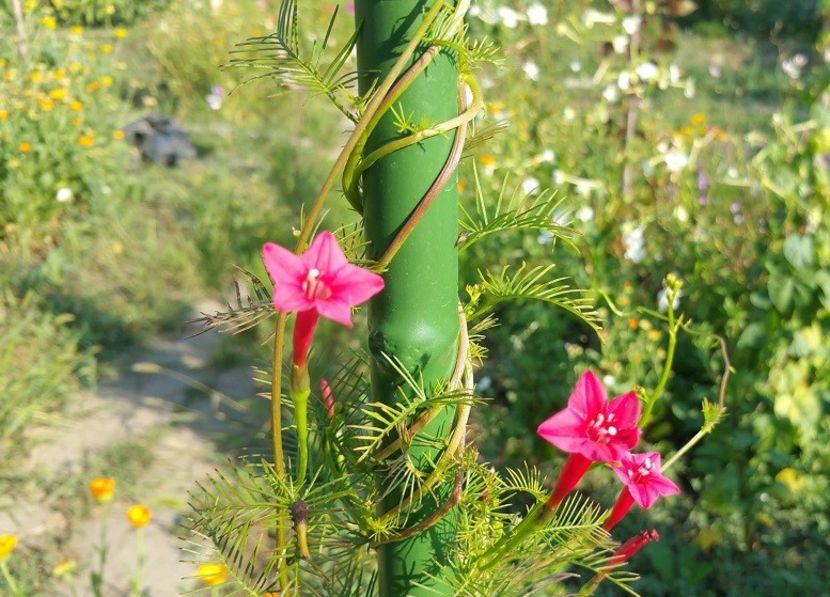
(665, 172)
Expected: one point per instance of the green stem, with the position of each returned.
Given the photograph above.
(7, 576)
(673, 326)
(686, 447)
(300, 400)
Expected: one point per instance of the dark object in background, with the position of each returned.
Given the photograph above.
(160, 140)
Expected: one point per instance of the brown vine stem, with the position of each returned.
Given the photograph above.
(362, 128)
(433, 518)
(426, 201)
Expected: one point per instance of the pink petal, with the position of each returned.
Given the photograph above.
(563, 427)
(644, 494)
(324, 254)
(355, 285)
(588, 397)
(335, 310)
(626, 410)
(291, 299)
(283, 266)
(626, 439)
(663, 484)
(601, 452)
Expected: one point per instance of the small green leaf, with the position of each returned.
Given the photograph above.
(781, 288)
(798, 250)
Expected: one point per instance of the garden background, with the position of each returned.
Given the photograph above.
(693, 142)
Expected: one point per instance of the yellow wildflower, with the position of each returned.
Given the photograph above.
(139, 515)
(58, 94)
(7, 545)
(4, 114)
(25, 147)
(106, 48)
(76, 106)
(212, 574)
(102, 488)
(120, 33)
(698, 119)
(790, 477)
(64, 568)
(487, 160)
(49, 22)
(118, 135)
(106, 81)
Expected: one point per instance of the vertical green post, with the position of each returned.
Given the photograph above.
(415, 318)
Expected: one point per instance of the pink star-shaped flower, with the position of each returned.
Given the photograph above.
(593, 427)
(644, 484)
(321, 279)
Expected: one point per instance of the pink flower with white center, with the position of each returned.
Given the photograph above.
(592, 430)
(321, 281)
(593, 427)
(644, 484)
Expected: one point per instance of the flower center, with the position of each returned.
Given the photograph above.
(313, 287)
(642, 472)
(602, 428)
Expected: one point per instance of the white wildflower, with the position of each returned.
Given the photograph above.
(620, 43)
(530, 185)
(593, 17)
(675, 160)
(647, 71)
(508, 17)
(634, 241)
(531, 71)
(64, 195)
(632, 24)
(537, 14)
(585, 214)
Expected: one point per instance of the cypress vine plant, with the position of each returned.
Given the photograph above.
(373, 486)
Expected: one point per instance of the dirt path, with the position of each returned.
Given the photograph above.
(158, 432)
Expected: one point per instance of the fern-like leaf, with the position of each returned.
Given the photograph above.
(514, 212)
(245, 314)
(528, 283)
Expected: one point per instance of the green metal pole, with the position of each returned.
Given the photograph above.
(415, 318)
